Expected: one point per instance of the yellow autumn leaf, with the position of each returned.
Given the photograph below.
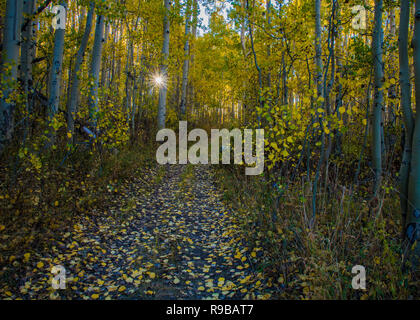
(274, 145)
(122, 288)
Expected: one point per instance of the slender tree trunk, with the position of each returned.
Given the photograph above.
(405, 106)
(413, 216)
(133, 109)
(328, 86)
(95, 69)
(10, 56)
(142, 76)
(318, 49)
(105, 59)
(194, 36)
(164, 66)
(243, 28)
(257, 66)
(27, 55)
(74, 91)
(339, 75)
(128, 80)
(186, 66)
(134, 98)
(319, 85)
(243, 45)
(284, 79)
(268, 10)
(392, 91)
(112, 71)
(56, 75)
(378, 96)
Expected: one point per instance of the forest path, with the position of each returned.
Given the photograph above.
(178, 242)
(197, 245)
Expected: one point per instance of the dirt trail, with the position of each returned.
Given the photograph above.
(179, 242)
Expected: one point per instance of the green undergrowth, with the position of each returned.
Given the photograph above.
(315, 261)
(42, 199)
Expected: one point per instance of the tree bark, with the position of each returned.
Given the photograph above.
(405, 106)
(320, 89)
(318, 48)
(95, 69)
(413, 216)
(56, 75)
(194, 36)
(164, 66)
(268, 9)
(74, 91)
(186, 66)
(28, 54)
(378, 96)
(257, 66)
(10, 56)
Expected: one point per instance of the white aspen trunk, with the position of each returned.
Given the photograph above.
(74, 91)
(95, 69)
(413, 216)
(164, 66)
(134, 86)
(243, 28)
(10, 56)
(28, 53)
(405, 106)
(318, 48)
(105, 66)
(392, 92)
(194, 36)
(56, 71)
(129, 63)
(185, 68)
(378, 96)
(268, 9)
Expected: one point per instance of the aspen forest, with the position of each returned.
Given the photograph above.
(92, 91)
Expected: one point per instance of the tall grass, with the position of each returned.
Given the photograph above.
(315, 261)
